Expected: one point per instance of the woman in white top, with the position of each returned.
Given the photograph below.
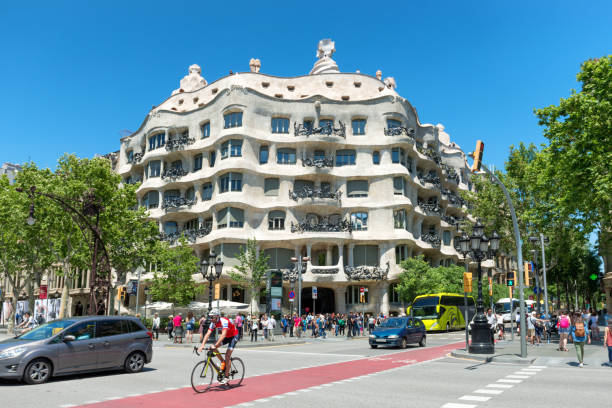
(254, 327)
(155, 327)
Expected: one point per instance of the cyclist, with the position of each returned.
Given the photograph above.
(229, 335)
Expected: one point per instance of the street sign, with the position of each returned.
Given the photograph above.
(42, 292)
(291, 295)
(361, 289)
(314, 292)
(593, 276)
(132, 287)
(217, 291)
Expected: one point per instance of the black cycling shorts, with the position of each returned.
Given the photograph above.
(231, 341)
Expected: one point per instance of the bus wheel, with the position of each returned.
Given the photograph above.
(448, 328)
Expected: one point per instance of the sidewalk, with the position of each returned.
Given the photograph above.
(506, 351)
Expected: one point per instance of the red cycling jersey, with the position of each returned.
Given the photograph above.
(224, 323)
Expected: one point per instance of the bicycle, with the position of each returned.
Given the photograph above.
(205, 372)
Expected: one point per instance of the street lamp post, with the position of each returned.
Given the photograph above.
(542, 240)
(480, 248)
(211, 270)
(299, 267)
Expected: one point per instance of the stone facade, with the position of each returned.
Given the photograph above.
(334, 166)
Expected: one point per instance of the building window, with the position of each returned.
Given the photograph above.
(308, 124)
(230, 216)
(345, 158)
(357, 188)
(191, 225)
(280, 125)
(170, 227)
(359, 220)
(399, 219)
(212, 155)
(393, 293)
(197, 162)
(401, 253)
(233, 119)
(157, 141)
(151, 200)
(276, 220)
(190, 193)
(233, 147)
(285, 156)
(263, 154)
(130, 156)
(353, 293)
(319, 155)
(326, 124)
(359, 126)
(376, 157)
(207, 191)
(205, 128)
(399, 185)
(154, 168)
(408, 163)
(176, 165)
(446, 236)
(271, 186)
(230, 182)
(398, 155)
(393, 123)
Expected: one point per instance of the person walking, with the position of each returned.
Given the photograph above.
(201, 324)
(608, 341)
(155, 326)
(297, 322)
(254, 327)
(178, 328)
(593, 325)
(284, 325)
(271, 327)
(580, 335)
(239, 322)
(264, 326)
(563, 326)
(190, 326)
(170, 327)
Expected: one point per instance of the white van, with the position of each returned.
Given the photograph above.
(502, 307)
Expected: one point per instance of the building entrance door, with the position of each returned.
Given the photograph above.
(325, 302)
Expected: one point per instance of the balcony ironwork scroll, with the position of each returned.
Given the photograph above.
(174, 173)
(327, 129)
(136, 158)
(176, 202)
(190, 235)
(430, 208)
(290, 274)
(179, 142)
(399, 131)
(451, 173)
(451, 219)
(322, 225)
(324, 271)
(357, 273)
(318, 162)
(429, 178)
(307, 192)
(432, 239)
(430, 153)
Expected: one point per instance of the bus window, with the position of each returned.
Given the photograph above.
(425, 308)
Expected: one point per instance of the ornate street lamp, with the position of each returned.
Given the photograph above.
(479, 248)
(210, 274)
(300, 268)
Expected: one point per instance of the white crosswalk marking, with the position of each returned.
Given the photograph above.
(485, 391)
(474, 398)
(500, 385)
(537, 366)
(503, 380)
(455, 405)
(524, 373)
(517, 376)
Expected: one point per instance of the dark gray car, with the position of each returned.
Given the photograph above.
(75, 345)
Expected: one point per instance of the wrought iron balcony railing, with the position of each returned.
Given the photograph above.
(451, 219)
(432, 239)
(399, 131)
(325, 270)
(190, 234)
(307, 192)
(136, 158)
(357, 273)
(176, 202)
(451, 173)
(429, 178)
(430, 153)
(301, 130)
(179, 142)
(430, 208)
(174, 173)
(318, 162)
(323, 225)
(453, 199)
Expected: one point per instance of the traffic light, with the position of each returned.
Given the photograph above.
(510, 278)
(478, 155)
(467, 282)
(217, 291)
(527, 267)
(121, 292)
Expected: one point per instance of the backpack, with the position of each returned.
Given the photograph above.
(579, 331)
(565, 323)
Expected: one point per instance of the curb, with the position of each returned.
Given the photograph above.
(493, 358)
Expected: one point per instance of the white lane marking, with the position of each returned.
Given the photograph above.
(517, 376)
(133, 395)
(171, 388)
(455, 405)
(91, 402)
(500, 385)
(535, 370)
(474, 398)
(262, 400)
(326, 385)
(305, 353)
(68, 405)
(291, 393)
(246, 404)
(278, 396)
(503, 380)
(116, 398)
(316, 388)
(492, 392)
(304, 390)
(524, 373)
(534, 366)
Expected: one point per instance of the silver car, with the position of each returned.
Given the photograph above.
(76, 345)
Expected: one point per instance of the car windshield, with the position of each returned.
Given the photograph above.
(46, 330)
(393, 322)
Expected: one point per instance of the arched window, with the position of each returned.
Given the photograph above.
(232, 119)
(230, 216)
(345, 158)
(230, 182)
(170, 227)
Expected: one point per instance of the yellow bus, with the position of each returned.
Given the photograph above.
(442, 311)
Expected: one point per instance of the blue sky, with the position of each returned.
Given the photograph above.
(73, 75)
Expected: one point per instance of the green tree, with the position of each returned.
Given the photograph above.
(251, 271)
(173, 281)
(418, 278)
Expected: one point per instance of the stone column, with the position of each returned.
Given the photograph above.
(328, 256)
(384, 298)
(339, 295)
(309, 252)
(340, 255)
(351, 247)
(229, 292)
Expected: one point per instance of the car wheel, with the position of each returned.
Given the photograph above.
(373, 346)
(403, 343)
(37, 372)
(134, 362)
(423, 341)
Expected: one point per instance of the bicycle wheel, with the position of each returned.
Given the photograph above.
(236, 372)
(202, 377)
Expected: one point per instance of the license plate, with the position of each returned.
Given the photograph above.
(381, 340)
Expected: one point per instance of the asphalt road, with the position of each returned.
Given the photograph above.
(333, 372)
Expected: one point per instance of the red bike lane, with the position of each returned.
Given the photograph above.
(269, 385)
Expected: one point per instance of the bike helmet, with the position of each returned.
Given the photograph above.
(214, 313)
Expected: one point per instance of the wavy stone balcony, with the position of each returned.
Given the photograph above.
(451, 173)
(299, 129)
(318, 162)
(179, 142)
(323, 225)
(357, 273)
(177, 202)
(400, 131)
(432, 239)
(174, 173)
(314, 193)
